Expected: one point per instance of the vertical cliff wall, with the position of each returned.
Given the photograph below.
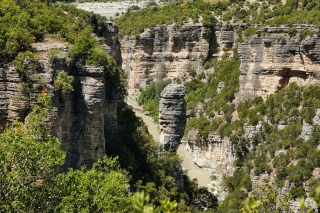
(164, 52)
(80, 119)
(269, 63)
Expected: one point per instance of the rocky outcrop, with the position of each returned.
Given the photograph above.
(110, 32)
(307, 128)
(269, 63)
(81, 119)
(251, 130)
(172, 116)
(214, 153)
(169, 52)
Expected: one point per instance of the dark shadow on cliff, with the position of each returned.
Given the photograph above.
(157, 173)
(78, 123)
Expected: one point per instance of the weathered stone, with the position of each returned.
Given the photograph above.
(168, 52)
(79, 119)
(214, 153)
(172, 116)
(306, 131)
(270, 63)
(251, 130)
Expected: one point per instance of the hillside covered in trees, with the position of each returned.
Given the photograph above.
(34, 177)
(276, 163)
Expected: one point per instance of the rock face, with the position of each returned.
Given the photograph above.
(172, 116)
(113, 47)
(214, 149)
(169, 52)
(270, 63)
(80, 119)
(214, 154)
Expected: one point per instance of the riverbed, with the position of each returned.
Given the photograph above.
(203, 176)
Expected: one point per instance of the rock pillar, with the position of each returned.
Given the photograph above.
(172, 116)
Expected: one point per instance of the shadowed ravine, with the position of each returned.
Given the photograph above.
(194, 171)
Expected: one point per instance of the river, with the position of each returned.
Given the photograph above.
(194, 171)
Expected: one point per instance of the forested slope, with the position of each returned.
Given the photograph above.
(34, 174)
(273, 139)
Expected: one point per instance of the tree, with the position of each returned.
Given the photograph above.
(28, 159)
(27, 65)
(63, 82)
(30, 179)
(100, 189)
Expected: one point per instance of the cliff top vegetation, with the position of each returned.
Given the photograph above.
(246, 14)
(134, 23)
(25, 22)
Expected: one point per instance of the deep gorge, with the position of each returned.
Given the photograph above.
(251, 95)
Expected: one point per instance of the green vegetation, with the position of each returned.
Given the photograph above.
(282, 107)
(134, 23)
(63, 82)
(25, 22)
(141, 204)
(28, 66)
(150, 98)
(262, 13)
(226, 71)
(31, 180)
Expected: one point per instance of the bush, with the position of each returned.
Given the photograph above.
(292, 31)
(150, 98)
(84, 43)
(28, 66)
(192, 73)
(63, 83)
(304, 33)
(135, 22)
(297, 192)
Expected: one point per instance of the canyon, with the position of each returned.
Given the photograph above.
(83, 120)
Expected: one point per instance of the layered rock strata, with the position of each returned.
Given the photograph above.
(214, 153)
(172, 116)
(81, 119)
(269, 63)
(169, 52)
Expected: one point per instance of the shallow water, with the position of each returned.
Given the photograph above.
(194, 171)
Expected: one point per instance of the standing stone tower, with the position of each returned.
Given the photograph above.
(172, 116)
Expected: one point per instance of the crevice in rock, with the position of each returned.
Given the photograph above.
(213, 44)
(287, 74)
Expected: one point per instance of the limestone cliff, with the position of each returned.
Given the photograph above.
(169, 52)
(79, 119)
(214, 153)
(271, 62)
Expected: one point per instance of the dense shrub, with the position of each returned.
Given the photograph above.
(134, 23)
(28, 67)
(63, 83)
(150, 98)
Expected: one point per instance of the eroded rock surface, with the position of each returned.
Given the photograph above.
(169, 52)
(172, 116)
(270, 63)
(81, 119)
